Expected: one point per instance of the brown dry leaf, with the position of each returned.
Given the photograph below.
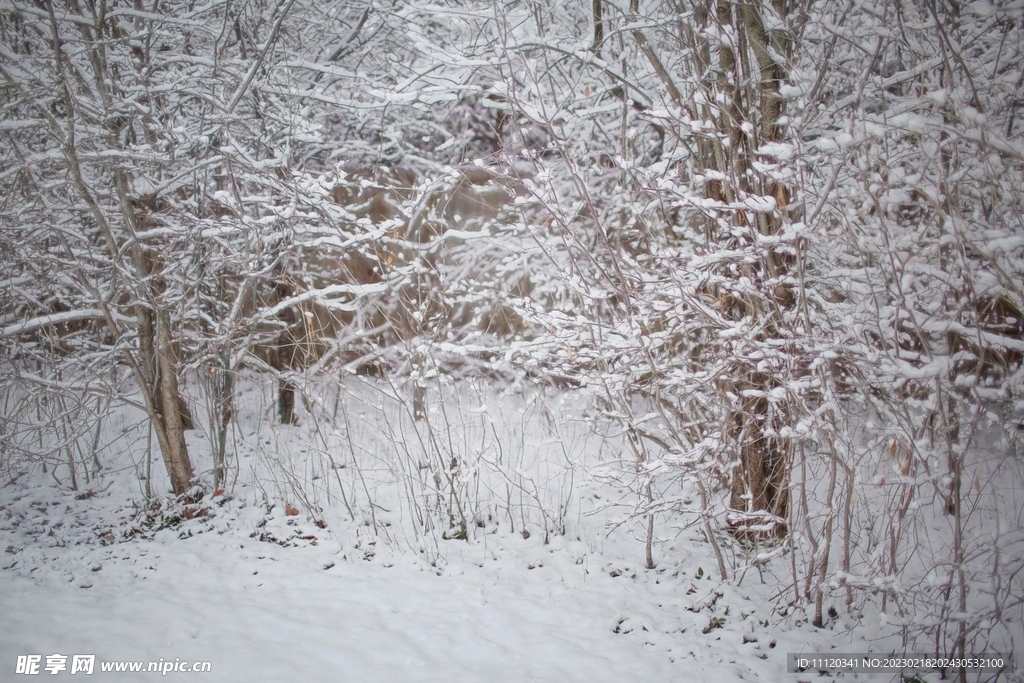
(290, 510)
(191, 512)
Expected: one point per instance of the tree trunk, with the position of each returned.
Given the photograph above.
(286, 402)
(158, 377)
(222, 393)
(761, 483)
(176, 454)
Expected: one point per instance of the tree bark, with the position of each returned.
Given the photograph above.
(176, 454)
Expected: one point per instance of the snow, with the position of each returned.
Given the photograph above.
(52, 319)
(259, 611)
(267, 616)
(265, 595)
(490, 526)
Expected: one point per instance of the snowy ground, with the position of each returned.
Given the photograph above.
(263, 595)
(334, 611)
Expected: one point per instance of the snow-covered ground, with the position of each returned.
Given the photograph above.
(262, 595)
(510, 609)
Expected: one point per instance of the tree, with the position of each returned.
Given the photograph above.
(749, 243)
(657, 192)
(912, 162)
(137, 134)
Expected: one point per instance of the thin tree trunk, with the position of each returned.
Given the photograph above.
(176, 456)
